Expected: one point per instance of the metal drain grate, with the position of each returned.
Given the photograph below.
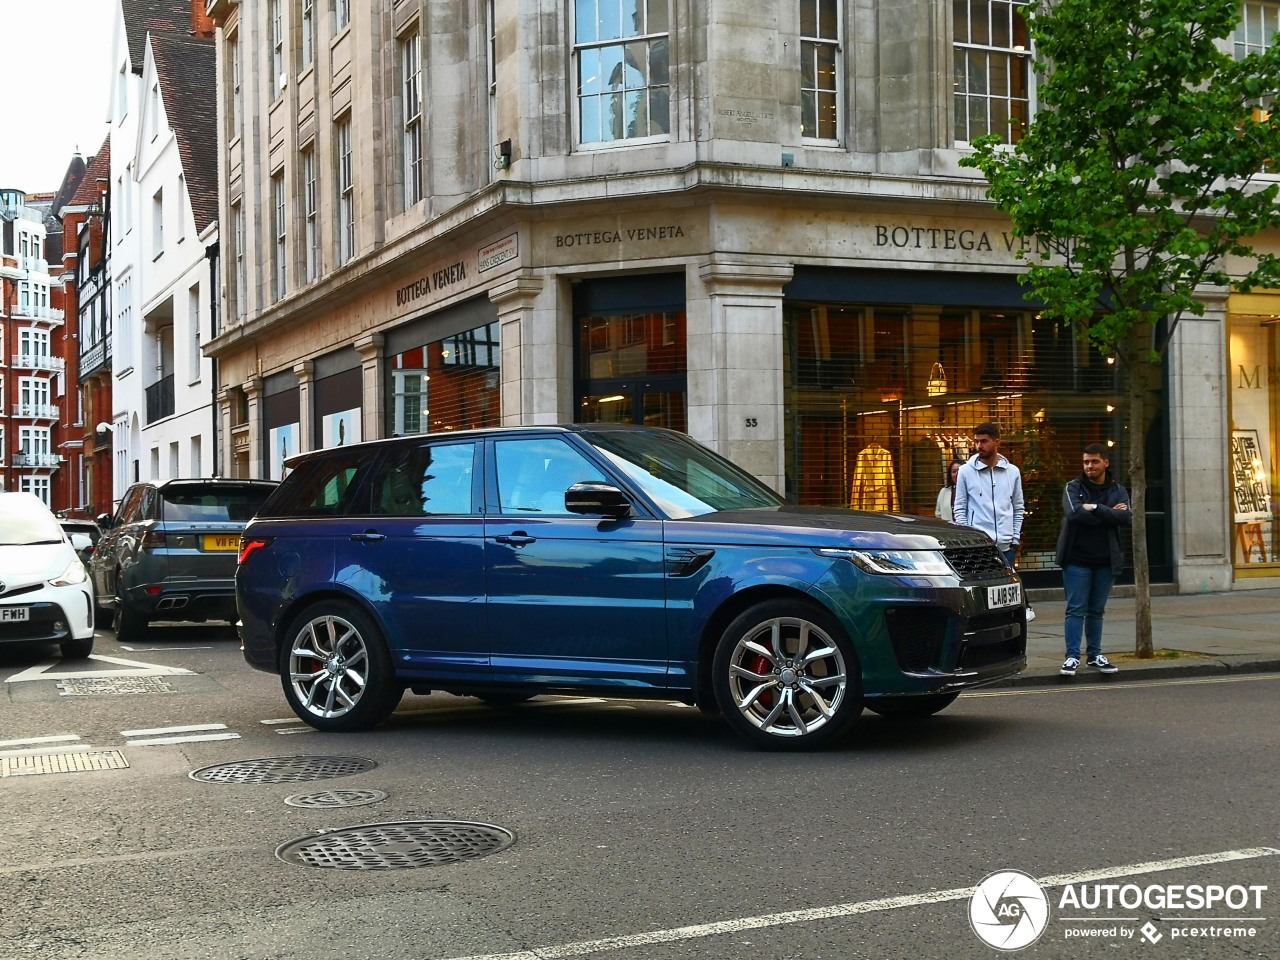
(328, 799)
(98, 686)
(78, 762)
(403, 845)
(282, 769)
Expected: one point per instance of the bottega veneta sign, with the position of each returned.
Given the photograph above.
(633, 234)
(433, 282)
(950, 238)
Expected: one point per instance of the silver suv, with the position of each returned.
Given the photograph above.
(169, 553)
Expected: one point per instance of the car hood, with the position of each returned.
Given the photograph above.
(25, 564)
(829, 527)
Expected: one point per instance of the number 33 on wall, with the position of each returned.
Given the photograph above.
(751, 422)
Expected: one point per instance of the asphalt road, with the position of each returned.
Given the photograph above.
(643, 831)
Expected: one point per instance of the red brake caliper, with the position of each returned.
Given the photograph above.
(762, 666)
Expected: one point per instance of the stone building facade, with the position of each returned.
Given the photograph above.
(745, 221)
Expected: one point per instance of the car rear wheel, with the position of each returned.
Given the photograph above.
(128, 623)
(786, 676)
(336, 670)
(907, 707)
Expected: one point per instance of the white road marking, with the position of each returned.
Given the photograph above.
(164, 741)
(159, 649)
(285, 731)
(281, 720)
(697, 931)
(1113, 685)
(29, 741)
(52, 748)
(189, 728)
(40, 671)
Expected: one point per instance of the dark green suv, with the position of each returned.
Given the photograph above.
(169, 553)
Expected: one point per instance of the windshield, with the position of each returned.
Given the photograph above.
(683, 478)
(24, 521)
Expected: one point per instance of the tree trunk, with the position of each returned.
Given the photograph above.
(1138, 374)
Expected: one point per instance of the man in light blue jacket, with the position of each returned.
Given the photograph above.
(989, 495)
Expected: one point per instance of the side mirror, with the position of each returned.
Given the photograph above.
(596, 499)
(104, 520)
(81, 542)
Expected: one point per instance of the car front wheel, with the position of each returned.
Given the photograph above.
(336, 670)
(786, 676)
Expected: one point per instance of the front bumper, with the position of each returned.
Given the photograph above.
(68, 615)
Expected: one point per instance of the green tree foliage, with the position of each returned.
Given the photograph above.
(1147, 169)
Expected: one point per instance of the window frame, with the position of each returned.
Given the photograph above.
(1015, 55)
(346, 190)
(411, 114)
(580, 47)
(809, 49)
(279, 206)
(311, 213)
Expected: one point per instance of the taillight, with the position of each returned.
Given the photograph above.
(251, 546)
(153, 540)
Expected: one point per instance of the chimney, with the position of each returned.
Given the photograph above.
(201, 22)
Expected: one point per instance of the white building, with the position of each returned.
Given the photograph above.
(164, 208)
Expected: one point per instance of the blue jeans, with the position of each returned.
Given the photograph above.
(1087, 589)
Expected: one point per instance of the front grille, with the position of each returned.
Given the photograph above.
(917, 635)
(975, 563)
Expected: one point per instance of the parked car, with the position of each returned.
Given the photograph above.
(84, 536)
(169, 553)
(45, 594)
(604, 560)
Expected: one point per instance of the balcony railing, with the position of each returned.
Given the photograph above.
(160, 399)
(38, 361)
(34, 264)
(38, 313)
(96, 357)
(36, 460)
(36, 411)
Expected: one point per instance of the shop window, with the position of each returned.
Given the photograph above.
(880, 399)
(632, 369)
(449, 384)
(1255, 429)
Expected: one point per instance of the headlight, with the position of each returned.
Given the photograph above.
(924, 562)
(72, 575)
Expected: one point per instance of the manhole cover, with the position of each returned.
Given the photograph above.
(118, 686)
(327, 799)
(282, 769)
(397, 846)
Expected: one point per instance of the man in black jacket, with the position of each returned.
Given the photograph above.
(1094, 508)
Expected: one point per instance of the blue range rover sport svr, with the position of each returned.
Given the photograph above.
(605, 560)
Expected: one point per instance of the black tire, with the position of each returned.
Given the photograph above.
(350, 683)
(76, 649)
(128, 623)
(912, 707)
(786, 676)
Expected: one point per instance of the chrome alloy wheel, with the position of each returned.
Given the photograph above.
(328, 666)
(787, 677)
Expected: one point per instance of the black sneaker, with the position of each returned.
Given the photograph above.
(1069, 667)
(1103, 665)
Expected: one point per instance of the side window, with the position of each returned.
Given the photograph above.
(427, 480)
(131, 506)
(150, 504)
(534, 474)
(321, 488)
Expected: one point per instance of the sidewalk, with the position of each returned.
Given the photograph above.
(1214, 633)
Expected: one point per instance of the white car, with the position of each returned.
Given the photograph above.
(45, 595)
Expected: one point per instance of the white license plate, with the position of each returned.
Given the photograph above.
(1005, 595)
(14, 614)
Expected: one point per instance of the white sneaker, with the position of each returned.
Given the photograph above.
(1069, 667)
(1031, 613)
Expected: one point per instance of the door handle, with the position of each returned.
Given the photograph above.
(369, 536)
(517, 539)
